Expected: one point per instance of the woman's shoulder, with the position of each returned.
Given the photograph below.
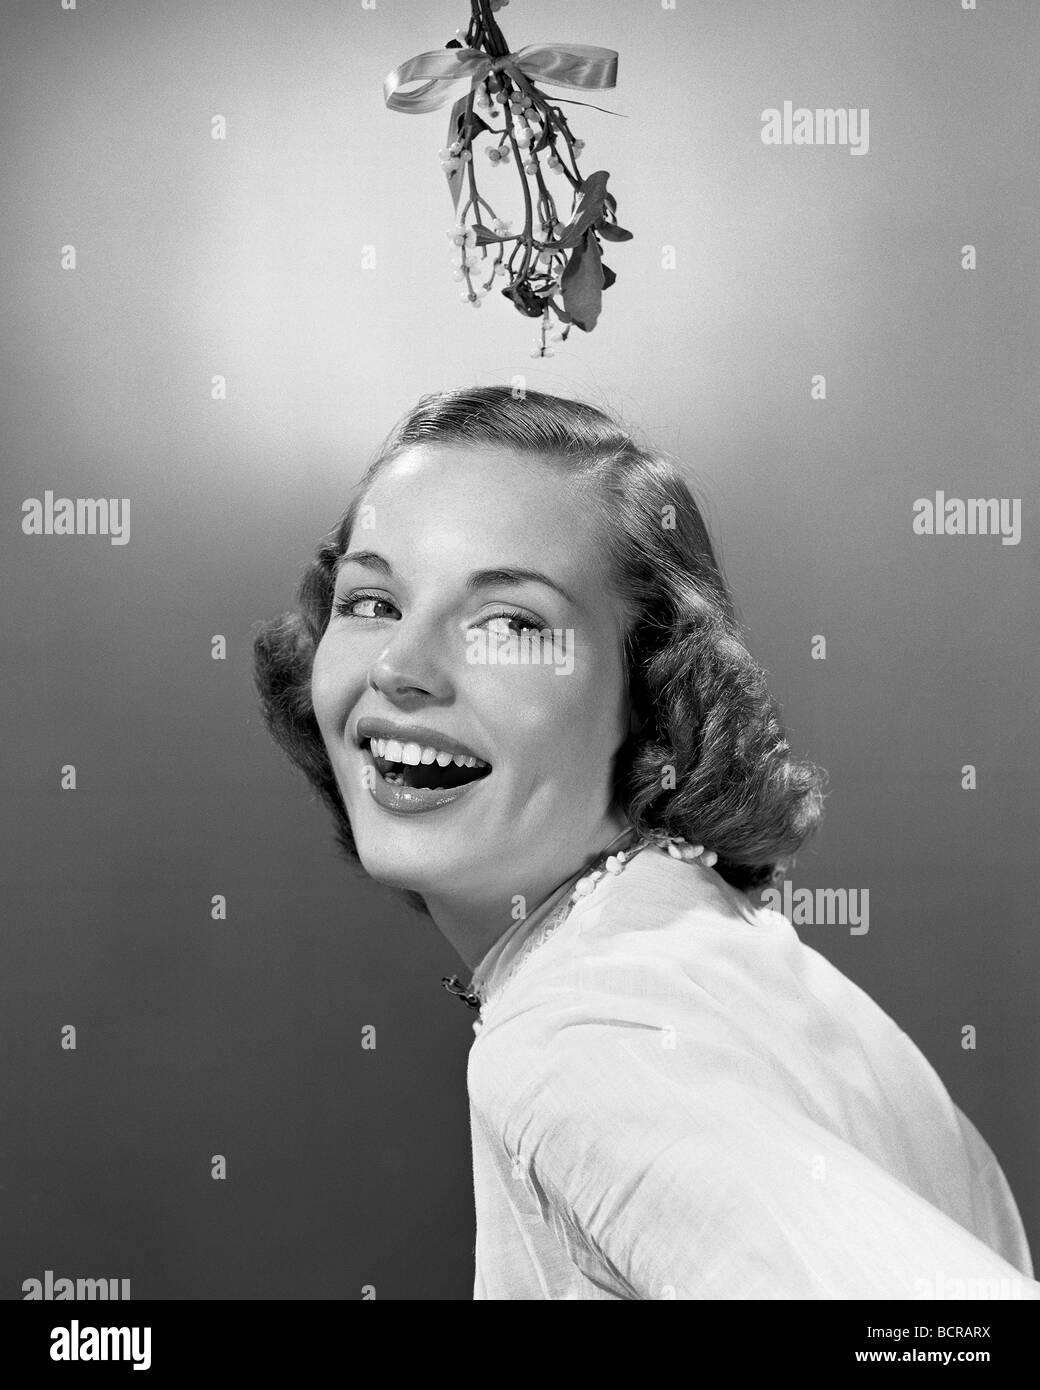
(672, 1030)
(665, 941)
(673, 983)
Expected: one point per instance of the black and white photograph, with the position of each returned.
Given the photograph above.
(520, 611)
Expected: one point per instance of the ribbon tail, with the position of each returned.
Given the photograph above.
(573, 101)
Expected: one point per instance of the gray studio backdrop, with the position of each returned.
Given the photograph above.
(302, 258)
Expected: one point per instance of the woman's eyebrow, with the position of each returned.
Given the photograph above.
(478, 579)
(487, 579)
(369, 559)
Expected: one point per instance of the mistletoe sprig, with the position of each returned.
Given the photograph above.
(554, 266)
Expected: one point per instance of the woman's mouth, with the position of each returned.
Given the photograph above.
(410, 777)
(411, 765)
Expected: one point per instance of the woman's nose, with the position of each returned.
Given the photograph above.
(411, 665)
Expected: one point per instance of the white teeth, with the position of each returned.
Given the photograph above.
(393, 750)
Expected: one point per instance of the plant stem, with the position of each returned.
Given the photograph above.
(528, 211)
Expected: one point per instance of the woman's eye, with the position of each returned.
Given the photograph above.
(375, 607)
(513, 624)
(362, 606)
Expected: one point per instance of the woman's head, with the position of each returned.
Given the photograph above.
(518, 579)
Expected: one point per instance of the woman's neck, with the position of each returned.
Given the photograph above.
(472, 925)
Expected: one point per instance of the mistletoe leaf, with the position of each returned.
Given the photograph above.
(587, 210)
(582, 284)
(612, 232)
(471, 126)
(456, 120)
(484, 234)
(608, 277)
(455, 178)
(455, 184)
(464, 127)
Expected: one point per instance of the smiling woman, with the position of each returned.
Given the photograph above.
(671, 1096)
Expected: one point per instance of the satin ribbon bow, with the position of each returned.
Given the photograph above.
(564, 65)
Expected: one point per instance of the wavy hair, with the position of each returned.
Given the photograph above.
(706, 757)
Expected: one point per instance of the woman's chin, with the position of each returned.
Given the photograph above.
(411, 872)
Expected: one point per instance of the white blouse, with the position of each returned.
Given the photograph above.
(671, 1096)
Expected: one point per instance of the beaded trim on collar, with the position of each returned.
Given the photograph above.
(610, 863)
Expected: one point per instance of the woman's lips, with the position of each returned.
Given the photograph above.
(401, 799)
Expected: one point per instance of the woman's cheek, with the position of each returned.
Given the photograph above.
(335, 684)
(323, 687)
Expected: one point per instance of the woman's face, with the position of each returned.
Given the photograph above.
(459, 561)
